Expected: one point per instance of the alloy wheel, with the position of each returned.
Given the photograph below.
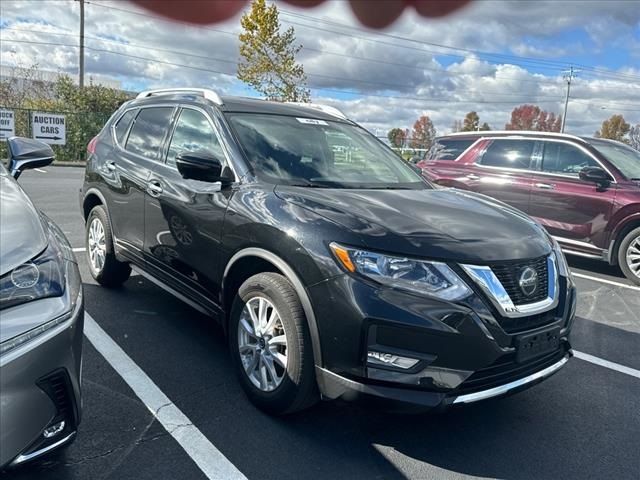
(97, 245)
(262, 344)
(633, 256)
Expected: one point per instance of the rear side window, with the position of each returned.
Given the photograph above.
(148, 131)
(565, 159)
(446, 149)
(508, 154)
(193, 132)
(122, 127)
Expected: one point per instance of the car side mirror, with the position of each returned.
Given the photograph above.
(26, 153)
(595, 175)
(201, 165)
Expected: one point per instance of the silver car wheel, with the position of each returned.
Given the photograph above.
(97, 246)
(633, 256)
(262, 344)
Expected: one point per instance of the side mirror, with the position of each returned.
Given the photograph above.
(200, 165)
(26, 153)
(595, 175)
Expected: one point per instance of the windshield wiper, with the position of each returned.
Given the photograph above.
(308, 185)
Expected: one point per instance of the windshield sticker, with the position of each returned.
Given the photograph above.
(312, 121)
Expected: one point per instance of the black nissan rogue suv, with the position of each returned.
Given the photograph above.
(334, 267)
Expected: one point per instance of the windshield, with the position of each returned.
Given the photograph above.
(319, 153)
(624, 158)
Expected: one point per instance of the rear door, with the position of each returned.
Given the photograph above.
(503, 171)
(184, 218)
(578, 212)
(139, 136)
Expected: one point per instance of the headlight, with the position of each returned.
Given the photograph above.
(432, 278)
(41, 277)
(563, 267)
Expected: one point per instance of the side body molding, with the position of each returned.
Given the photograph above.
(297, 285)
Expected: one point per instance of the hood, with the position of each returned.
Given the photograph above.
(22, 235)
(446, 224)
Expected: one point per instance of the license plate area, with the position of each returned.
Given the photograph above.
(535, 344)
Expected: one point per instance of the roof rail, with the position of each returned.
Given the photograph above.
(206, 93)
(515, 133)
(323, 108)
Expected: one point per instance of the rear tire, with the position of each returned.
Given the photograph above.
(103, 265)
(275, 365)
(629, 255)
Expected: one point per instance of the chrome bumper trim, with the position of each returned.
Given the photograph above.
(502, 389)
(25, 458)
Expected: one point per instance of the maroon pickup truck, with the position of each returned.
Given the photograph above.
(584, 191)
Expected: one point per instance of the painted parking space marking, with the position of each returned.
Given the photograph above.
(40, 170)
(603, 280)
(79, 249)
(607, 364)
(205, 455)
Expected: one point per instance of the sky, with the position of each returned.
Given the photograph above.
(489, 57)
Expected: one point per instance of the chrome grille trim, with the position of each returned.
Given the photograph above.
(484, 277)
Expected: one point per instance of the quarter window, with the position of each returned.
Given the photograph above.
(445, 149)
(193, 132)
(565, 159)
(509, 154)
(122, 127)
(148, 131)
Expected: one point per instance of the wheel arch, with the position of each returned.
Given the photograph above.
(631, 223)
(92, 198)
(252, 260)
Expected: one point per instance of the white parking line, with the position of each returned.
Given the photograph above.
(40, 170)
(79, 249)
(607, 364)
(602, 280)
(208, 458)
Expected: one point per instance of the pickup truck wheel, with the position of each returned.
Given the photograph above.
(270, 345)
(629, 256)
(103, 265)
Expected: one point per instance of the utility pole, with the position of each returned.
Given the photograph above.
(568, 75)
(81, 72)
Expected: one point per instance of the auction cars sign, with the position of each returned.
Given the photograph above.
(48, 128)
(7, 124)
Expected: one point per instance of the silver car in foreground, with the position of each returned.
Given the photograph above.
(41, 320)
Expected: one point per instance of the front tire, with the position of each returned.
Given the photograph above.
(270, 345)
(629, 255)
(103, 265)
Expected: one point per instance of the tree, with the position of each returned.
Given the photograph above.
(634, 136)
(485, 127)
(615, 128)
(423, 133)
(397, 137)
(471, 123)
(531, 117)
(268, 62)
(457, 126)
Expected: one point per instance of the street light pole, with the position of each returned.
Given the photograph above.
(568, 76)
(81, 62)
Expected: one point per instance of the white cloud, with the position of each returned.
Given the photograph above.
(442, 83)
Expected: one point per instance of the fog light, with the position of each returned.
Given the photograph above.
(390, 360)
(53, 430)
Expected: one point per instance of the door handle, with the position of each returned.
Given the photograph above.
(154, 188)
(111, 166)
(546, 186)
(472, 176)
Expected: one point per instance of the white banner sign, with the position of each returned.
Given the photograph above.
(7, 124)
(48, 128)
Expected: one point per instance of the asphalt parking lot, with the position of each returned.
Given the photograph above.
(582, 423)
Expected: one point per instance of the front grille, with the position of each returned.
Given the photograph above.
(509, 276)
(521, 324)
(506, 370)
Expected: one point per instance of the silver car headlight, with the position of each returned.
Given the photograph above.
(41, 277)
(432, 278)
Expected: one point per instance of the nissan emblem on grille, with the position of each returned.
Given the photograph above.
(528, 281)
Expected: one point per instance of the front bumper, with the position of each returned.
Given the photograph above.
(40, 383)
(463, 353)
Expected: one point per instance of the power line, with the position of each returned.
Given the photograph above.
(333, 90)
